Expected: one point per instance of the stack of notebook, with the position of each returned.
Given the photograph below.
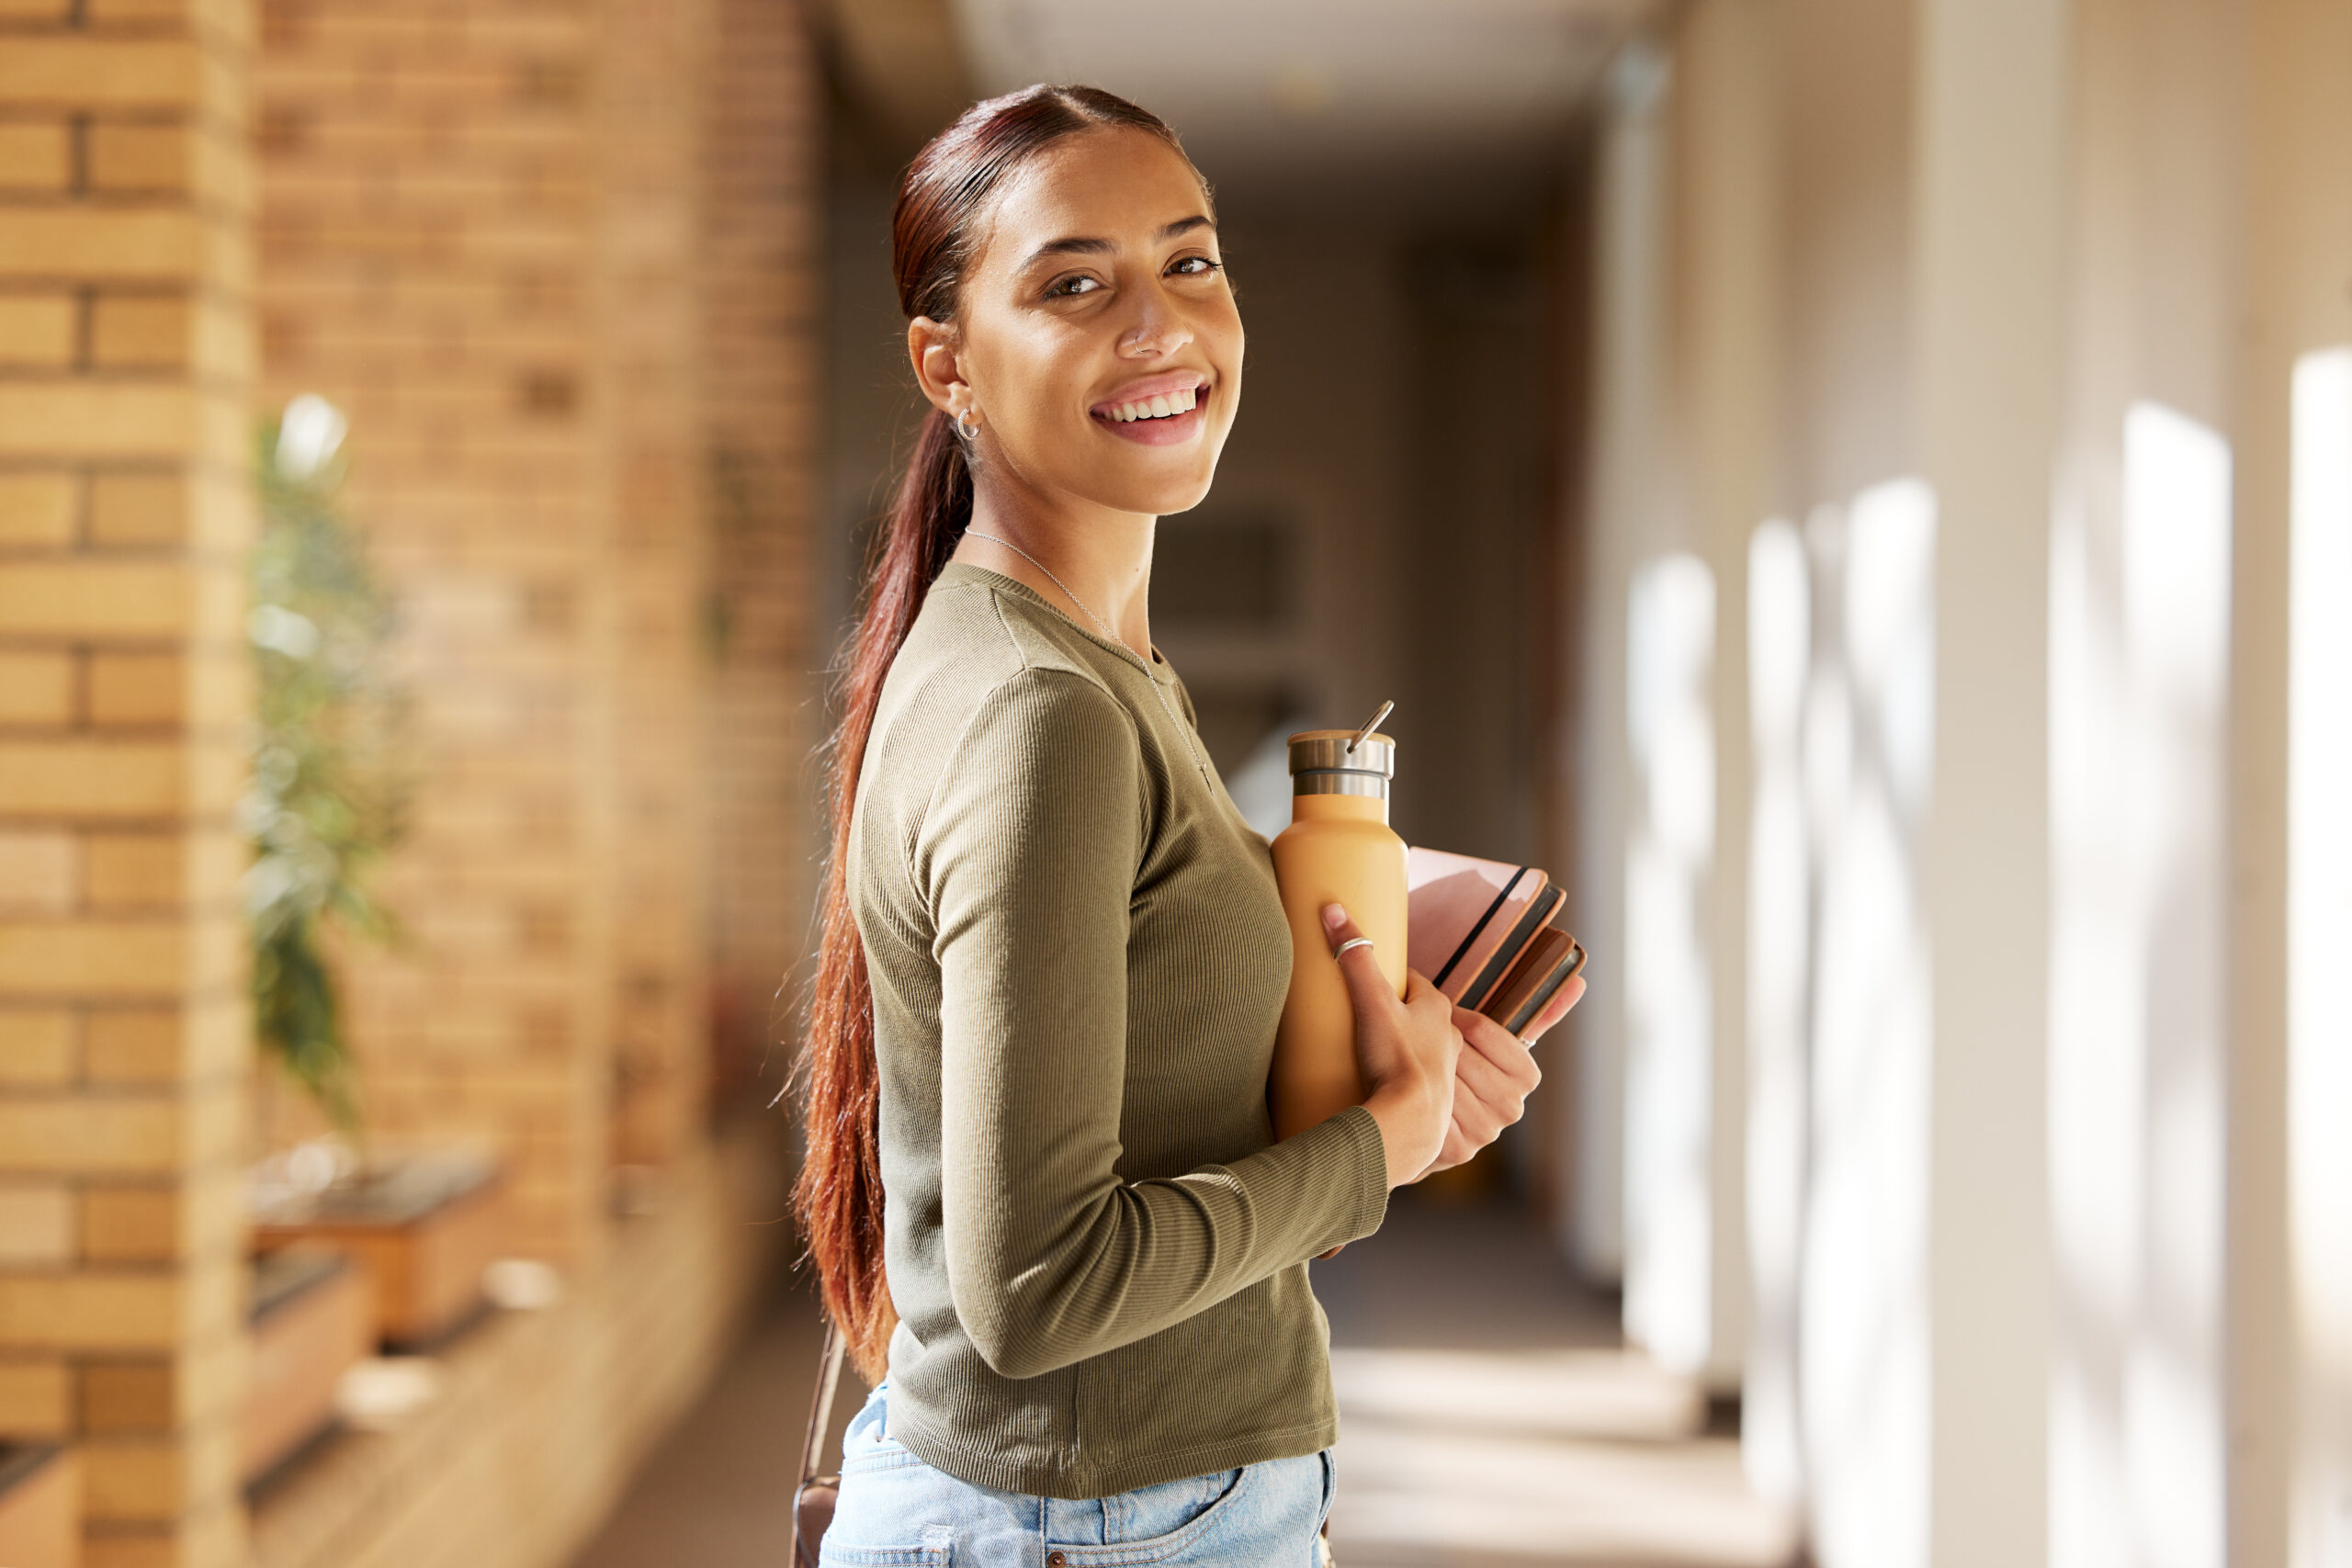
(1487, 935)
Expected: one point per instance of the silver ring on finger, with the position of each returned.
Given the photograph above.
(1352, 944)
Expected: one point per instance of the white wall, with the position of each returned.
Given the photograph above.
(2045, 1045)
(2140, 618)
(2290, 1234)
(1992, 195)
(1624, 507)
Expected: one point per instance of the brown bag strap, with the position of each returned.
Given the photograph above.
(813, 1498)
(821, 1408)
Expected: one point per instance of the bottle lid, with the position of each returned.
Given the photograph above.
(1333, 762)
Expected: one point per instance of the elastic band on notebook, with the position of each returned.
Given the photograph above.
(1478, 925)
(1539, 915)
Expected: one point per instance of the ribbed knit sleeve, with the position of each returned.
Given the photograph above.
(1026, 856)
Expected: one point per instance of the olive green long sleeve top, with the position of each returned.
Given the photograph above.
(1096, 1248)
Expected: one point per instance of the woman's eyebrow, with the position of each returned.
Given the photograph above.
(1072, 246)
(1084, 245)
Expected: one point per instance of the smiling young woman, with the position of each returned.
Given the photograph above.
(1041, 1185)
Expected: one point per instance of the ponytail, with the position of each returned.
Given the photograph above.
(935, 234)
(839, 1194)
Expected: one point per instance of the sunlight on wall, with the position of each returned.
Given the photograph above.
(1670, 661)
(1868, 754)
(1780, 638)
(2319, 985)
(2138, 741)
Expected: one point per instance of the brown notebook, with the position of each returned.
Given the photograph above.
(1553, 959)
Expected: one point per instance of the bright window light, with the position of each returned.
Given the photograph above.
(2139, 677)
(1670, 650)
(1869, 734)
(1779, 657)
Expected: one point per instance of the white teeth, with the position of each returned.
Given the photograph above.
(1184, 402)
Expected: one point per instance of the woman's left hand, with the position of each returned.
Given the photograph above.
(1494, 1076)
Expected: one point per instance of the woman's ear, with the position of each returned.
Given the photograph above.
(930, 345)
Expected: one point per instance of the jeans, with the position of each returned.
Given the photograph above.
(896, 1510)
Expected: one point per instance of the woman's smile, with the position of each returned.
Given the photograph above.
(1158, 411)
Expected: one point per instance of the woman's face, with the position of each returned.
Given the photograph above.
(1097, 343)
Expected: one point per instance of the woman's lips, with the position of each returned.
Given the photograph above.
(1161, 417)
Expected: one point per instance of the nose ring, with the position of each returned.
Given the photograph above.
(967, 432)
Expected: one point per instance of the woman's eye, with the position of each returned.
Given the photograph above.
(1196, 266)
(1069, 288)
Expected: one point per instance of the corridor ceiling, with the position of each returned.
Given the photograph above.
(1422, 102)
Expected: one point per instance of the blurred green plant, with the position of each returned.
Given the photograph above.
(328, 795)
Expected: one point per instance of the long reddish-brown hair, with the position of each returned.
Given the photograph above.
(936, 231)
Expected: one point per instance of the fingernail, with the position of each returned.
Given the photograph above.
(1334, 916)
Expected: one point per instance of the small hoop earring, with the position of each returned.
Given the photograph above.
(970, 432)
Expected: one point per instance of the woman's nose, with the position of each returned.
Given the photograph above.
(1160, 332)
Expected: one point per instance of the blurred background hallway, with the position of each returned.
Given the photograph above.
(1858, 490)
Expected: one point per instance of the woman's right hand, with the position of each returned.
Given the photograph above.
(1406, 1051)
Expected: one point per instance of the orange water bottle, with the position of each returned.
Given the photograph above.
(1338, 849)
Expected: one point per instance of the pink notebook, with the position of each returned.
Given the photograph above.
(1462, 909)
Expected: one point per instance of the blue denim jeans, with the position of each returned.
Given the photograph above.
(896, 1510)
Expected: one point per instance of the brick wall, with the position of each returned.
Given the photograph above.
(427, 245)
(125, 364)
(653, 59)
(548, 254)
(760, 205)
(553, 258)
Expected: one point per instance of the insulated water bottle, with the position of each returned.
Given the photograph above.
(1338, 849)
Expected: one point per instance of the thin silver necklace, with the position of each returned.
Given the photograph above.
(1110, 636)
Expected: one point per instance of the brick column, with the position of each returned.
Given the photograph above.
(124, 511)
(551, 258)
